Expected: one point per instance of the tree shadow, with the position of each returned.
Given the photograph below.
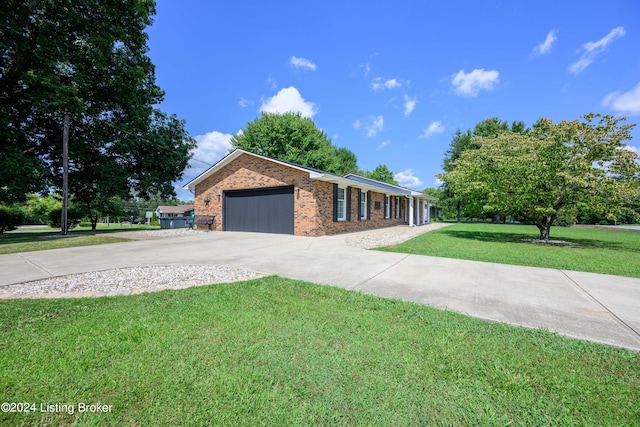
(502, 237)
(36, 236)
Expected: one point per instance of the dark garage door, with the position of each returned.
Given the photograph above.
(265, 210)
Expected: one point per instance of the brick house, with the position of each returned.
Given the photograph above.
(249, 192)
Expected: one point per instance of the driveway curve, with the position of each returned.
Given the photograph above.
(594, 307)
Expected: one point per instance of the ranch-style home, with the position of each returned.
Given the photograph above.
(249, 192)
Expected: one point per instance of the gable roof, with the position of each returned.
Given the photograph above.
(347, 180)
(191, 185)
(175, 209)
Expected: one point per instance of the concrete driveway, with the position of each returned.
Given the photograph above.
(587, 306)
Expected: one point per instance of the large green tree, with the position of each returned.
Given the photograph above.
(293, 138)
(551, 171)
(461, 142)
(88, 59)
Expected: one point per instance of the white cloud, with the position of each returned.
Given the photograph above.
(379, 83)
(631, 148)
(624, 103)
(273, 84)
(438, 182)
(409, 105)
(470, 84)
(375, 126)
(212, 146)
(406, 178)
(288, 100)
(434, 128)
(302, 63)
(357, 125)
(366, 69)
(383, 144)
(593, 49)
(244, 102)
(545, 47)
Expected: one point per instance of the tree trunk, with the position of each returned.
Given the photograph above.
(459, 210)
(544, 232)
(94, 221)
(545, 228)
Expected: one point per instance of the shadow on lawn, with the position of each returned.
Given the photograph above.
(33, 236)
(501, 237)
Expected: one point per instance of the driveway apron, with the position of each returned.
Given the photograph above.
(587, 306)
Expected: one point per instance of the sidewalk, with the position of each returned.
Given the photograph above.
(587, 306)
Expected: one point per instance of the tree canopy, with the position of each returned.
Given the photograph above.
(550, 171)
(293, 138)
(88, 59)
(463, 141)
(381, 173)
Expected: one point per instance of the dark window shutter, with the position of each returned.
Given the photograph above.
(368, 204)
(384, 206)
(348, 203)
(335, 202)
(359, 203)
(393, 207)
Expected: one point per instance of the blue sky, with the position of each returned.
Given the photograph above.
(393, 81)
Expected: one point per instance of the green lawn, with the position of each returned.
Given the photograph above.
(43, 238)
(275, 351)
(596, 250)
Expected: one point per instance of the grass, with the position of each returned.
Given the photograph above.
(275, 351)
(43, 238)
(597, 250)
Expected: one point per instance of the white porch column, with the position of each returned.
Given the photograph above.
(411, 211)
(428, 212)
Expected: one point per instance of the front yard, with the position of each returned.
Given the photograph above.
(44, 238)
(596, 250)
(275, 351)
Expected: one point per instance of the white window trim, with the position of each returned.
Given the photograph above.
(387, 206)
(342, 216)
(363, 205)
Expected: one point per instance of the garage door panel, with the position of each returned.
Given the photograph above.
(268, 210)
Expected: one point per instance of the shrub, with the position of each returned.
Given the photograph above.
(84, 224)
(73, 218)
(154, 220)
(10, 218)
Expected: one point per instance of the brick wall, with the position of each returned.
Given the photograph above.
(313, 199)
(325, 208)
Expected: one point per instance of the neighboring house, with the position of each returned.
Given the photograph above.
(175, 216)
(173, 211)
(249, 192)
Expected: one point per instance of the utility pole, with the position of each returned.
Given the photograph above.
(65, 172)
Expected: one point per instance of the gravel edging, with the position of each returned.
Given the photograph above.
(134, 280)
(123, 281)
(391, 235)
(157, 234)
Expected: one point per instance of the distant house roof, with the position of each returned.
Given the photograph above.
(350, 179)
(174, 209)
